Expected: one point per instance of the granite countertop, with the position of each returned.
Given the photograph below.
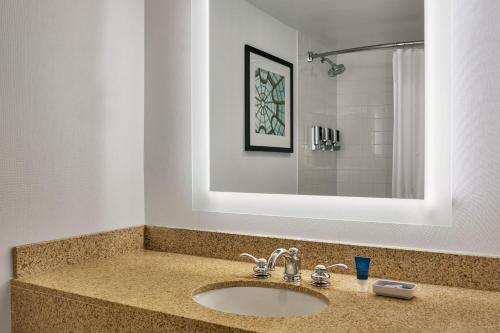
(165, 282)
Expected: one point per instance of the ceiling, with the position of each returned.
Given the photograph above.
(350, 23)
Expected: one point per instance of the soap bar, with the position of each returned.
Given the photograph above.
(396, 289)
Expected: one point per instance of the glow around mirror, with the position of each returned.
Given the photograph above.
(434, 210)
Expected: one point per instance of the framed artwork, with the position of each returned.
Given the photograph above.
(268, 102)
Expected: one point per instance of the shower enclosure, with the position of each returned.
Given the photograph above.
(374, 96)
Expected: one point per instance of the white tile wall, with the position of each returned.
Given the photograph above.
(365, 121)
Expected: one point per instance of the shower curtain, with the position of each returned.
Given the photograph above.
(409, 127)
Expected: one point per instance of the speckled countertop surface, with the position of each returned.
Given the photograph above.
(165, 282)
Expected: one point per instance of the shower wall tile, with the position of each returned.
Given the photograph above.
(382, 138)
(365, 119)
(381, 124)
(360, 103)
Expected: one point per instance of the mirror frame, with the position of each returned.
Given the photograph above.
(434, 209)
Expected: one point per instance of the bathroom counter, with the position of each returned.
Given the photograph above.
(155, 290)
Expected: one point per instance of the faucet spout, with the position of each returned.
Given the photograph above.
(273, 258)
(292, 263)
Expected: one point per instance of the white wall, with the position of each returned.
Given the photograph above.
(71, 122)
(476, 155)
(317, 170)
(365, 120)
(232, 25)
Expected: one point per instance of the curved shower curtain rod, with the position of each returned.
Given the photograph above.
(311, 55)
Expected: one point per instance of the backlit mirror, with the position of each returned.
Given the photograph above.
(317, 97)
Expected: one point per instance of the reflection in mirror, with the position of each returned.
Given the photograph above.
(317, 97)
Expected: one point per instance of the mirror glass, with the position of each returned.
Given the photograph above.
(317, 97)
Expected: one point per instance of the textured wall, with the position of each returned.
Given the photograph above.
(167, 128)
(476, 155)
(71, 121)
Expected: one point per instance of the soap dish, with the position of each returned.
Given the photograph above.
(396, 289)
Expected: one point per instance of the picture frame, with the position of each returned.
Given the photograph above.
(268, 102)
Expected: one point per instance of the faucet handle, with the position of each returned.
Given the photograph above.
(320, 278)
(261, 269)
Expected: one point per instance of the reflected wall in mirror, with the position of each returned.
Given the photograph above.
(358, 80)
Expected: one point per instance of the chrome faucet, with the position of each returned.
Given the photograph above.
(292, 264)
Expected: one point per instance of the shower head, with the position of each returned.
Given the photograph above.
(336, 69)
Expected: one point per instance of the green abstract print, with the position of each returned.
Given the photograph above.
(269, 103)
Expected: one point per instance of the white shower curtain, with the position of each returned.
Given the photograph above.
(409, 127)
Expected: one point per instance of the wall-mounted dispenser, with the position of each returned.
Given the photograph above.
(324, 138)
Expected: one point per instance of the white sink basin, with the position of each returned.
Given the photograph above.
(259, 301)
